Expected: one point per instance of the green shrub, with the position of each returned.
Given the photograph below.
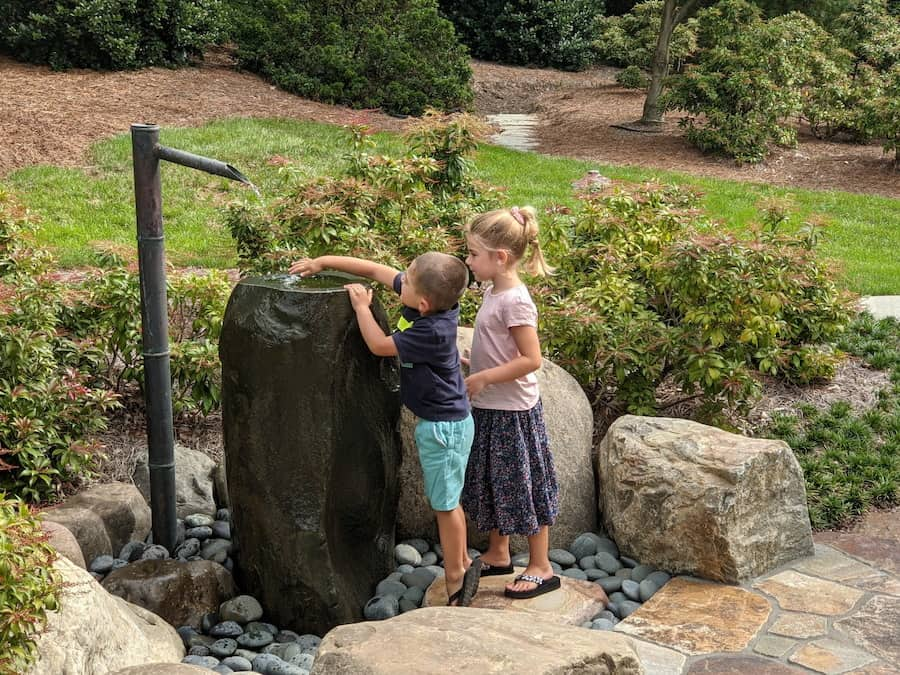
(643, 294)
(630, 40)
(389, 209)
(103, 315)
(632, 77)
(557, 33)
(851, 459)
(108, 34)
(48, 411)
(398, 55)
(29, 585)
(740, 94)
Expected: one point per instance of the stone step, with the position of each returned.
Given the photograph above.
(574, 603)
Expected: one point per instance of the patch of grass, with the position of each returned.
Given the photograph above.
(851, 461)
(81, 206)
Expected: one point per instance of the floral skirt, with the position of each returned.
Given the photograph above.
(510, 480)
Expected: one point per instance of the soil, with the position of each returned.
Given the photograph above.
(53, 117)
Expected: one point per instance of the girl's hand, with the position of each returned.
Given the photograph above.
(305, 267)
(475, 384)
(360, 296)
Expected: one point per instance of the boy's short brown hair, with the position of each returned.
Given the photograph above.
(441, 278)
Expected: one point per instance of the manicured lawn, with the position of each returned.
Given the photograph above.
(82, 207)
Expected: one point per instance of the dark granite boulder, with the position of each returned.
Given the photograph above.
(312, 451)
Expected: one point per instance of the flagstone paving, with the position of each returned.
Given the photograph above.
(836, 612)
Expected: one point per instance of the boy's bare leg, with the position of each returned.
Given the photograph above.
(497, 554)
(538, 560)
(452, 533)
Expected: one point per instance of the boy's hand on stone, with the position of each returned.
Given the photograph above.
(305, 267)
(360, 296)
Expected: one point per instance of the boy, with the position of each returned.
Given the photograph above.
(431, 384)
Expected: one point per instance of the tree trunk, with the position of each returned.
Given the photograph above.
(659, 67)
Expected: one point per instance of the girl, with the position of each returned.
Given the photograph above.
(510, 483)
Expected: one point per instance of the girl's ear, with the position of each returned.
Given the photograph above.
(502, 256)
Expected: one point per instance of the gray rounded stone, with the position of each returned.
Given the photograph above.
(405, 569)
(202, 661)
(381, 607)
(223, 647)
(610, 584)
(238, 664)
(647, 588)
(283, 650)
(628, 562)
(414, 594)
(222, 669)
(405, 554)
(640, 572)
(255, 639)
(607, 562)
(631, 589)
(602, 624)
(628, 607)
(561, 556)
(594, 574)
(199, 650)
(406, 605)
(202, 533)
(659, 578)
(420, 545)
(189, 548)
(584, 545)
(588, 562)
(102, 564)
(389, 587)
(242, 608)
(429, 558)
(575, 573)
(617, 597)
(132, 551)
(155, 552)
(262, 662)
(625, 573)
(198, 520)
(607, 545)
(226, 629)
(421, 577)
(221, 529)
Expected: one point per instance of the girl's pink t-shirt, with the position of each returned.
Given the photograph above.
(493, 345)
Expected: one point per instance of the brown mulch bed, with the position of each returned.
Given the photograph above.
(54, 117)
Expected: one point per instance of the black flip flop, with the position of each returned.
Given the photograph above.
(488, 570)
(543, 586)
(463, 597)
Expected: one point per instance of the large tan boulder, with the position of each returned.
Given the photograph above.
(193, 481)
(467, 640)
(63, 541)
(691, 498)
(103, 518)
(179, 592)
(95, 632)
(570, 425)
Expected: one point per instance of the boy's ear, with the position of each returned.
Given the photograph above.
(424, 306)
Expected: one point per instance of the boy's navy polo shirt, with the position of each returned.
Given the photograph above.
(431, 382)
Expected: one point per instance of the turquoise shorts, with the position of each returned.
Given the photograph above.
(443, 453)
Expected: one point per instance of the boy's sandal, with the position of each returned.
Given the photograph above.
(541, 586)
(464, 596)
(488, 570)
